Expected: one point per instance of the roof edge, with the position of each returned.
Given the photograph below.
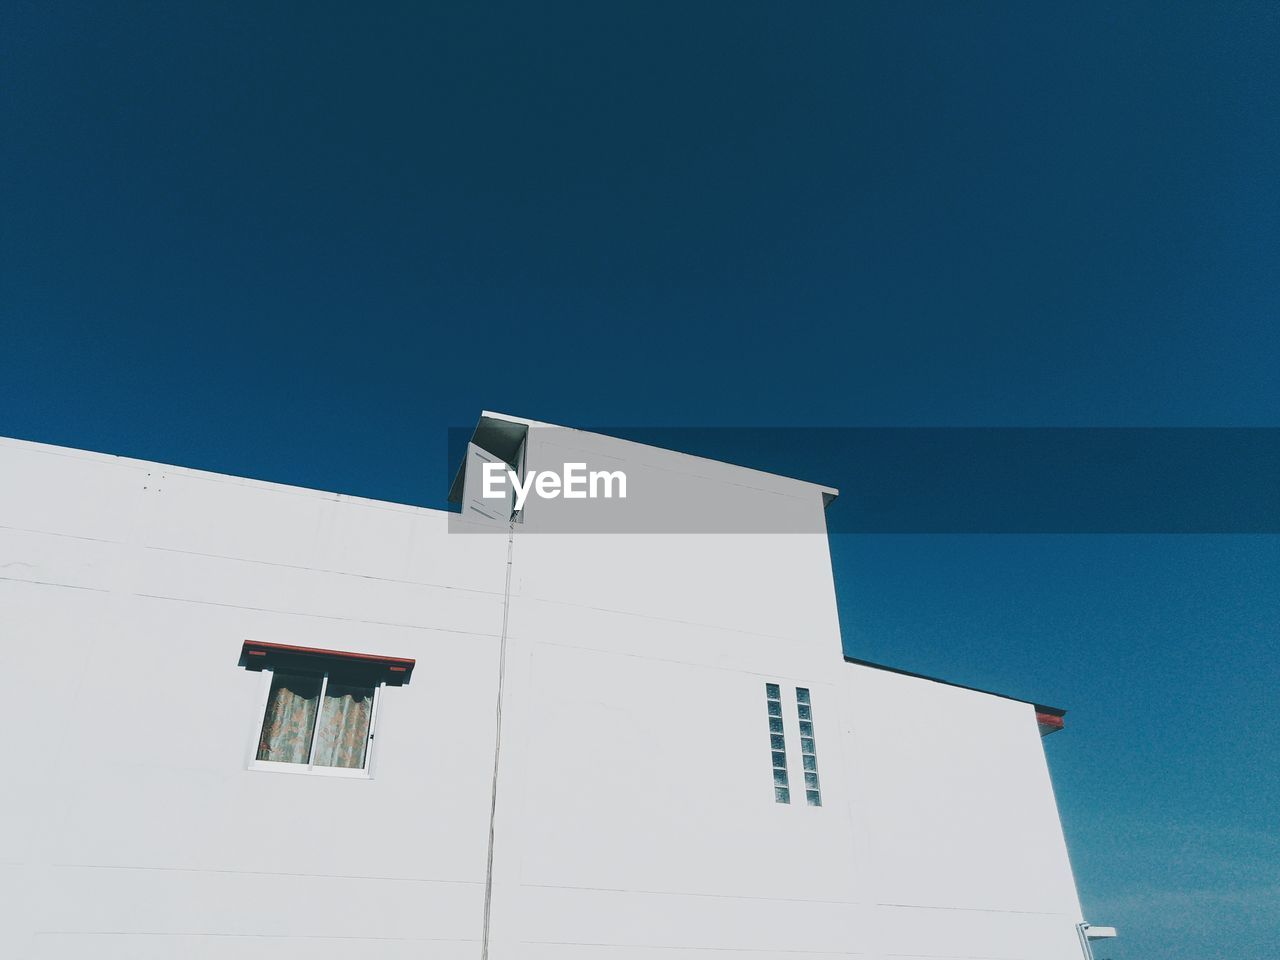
(1039, 707)
(203, 473)
(829, 493)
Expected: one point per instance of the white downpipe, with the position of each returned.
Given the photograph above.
(1085, 945)
(497, 747)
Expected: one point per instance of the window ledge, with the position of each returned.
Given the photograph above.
(341, 773)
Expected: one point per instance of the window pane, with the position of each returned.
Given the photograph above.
(290, 718)
(777, 744)
(808, 760)
(344, 725)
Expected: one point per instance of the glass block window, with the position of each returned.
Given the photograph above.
(777, 744)
(808, 752)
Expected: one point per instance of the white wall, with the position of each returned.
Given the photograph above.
(636, 816)
(960, 840)
(636, 808)
(131, 825)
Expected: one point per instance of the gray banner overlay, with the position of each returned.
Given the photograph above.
(904, 480)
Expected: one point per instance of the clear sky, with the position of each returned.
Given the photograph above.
(298, 241)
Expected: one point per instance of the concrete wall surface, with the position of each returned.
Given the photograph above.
(636, 813)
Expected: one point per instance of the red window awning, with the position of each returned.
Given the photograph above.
(261, 655)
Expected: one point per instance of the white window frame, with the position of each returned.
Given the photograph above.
(309, 768)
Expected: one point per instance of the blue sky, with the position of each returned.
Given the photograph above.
(298, 241)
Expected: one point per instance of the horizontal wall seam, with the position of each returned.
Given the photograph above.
(316, 616)
(497, 594)
(255, 873)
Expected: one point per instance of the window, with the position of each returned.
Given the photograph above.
(317, 720)
(777, 743)
(808, 750)
(321, 707)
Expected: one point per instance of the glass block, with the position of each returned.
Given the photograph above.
(806, 728)
(805, 711)
(810, 761)
(775, 724)
(806, 744)
(772, 692)
(775, 708)
(780, 777)
(813, 797)
(779, 759)
(781, 794)
(802, 695)
(811, 781)
(777, 742)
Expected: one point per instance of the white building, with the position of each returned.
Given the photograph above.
(534, 745)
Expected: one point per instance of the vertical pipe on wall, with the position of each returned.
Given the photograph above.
(497, 747)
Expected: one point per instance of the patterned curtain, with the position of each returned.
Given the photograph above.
(344, 725)
(290, 719)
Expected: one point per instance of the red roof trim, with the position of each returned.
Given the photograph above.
(1049, 723)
